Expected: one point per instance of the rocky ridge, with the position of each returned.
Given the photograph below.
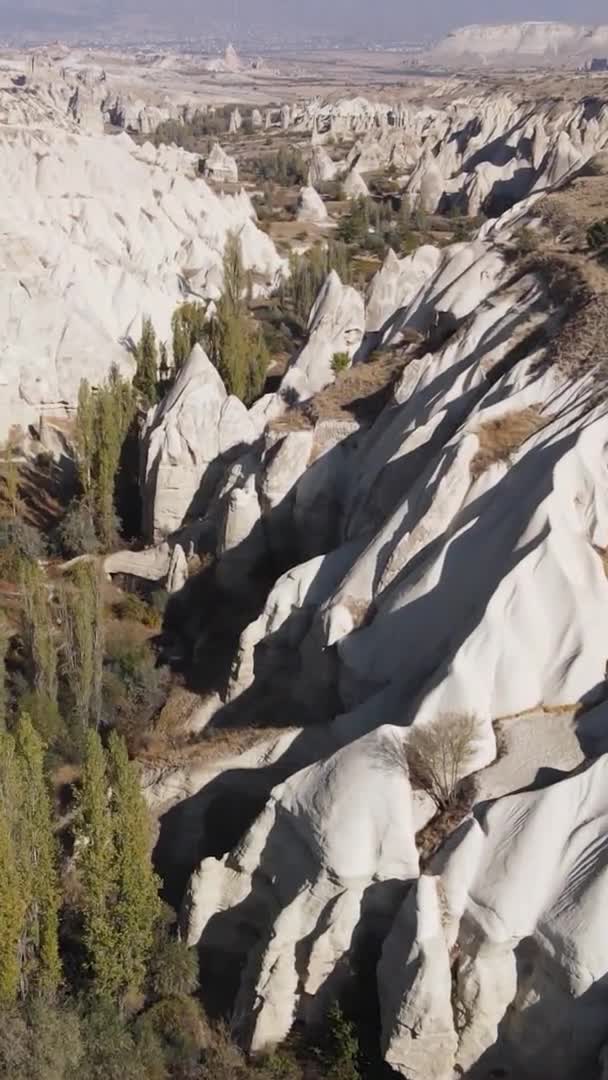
(445, 556)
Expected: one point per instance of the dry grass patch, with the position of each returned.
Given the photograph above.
(499, 438)
(360, 392)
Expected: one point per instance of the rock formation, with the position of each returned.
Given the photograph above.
(450, 539)
(98, 234)
(526, 42)
(336, 325)
(311, 207)
(186, 436)
(220, 166)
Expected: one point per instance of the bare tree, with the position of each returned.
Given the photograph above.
(438, 754)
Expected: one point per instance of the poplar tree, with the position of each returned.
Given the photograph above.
(146, 355)
(137, 906)
(120, 890)
(98, 870)
(38, 632)
(4, 643)
(188, 325)
(236, 348)
(41, 966)
(102, 423)
(83, 646)
(13, 903)
(84, 437)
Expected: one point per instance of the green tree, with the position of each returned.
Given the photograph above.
(11, 481)
(146, 356)
(4, 644)
(120, 890)
(13, 902)
(188, 325)
(102, 422)
(308, 273)
(98, 870)
(236, 346)
(41, 966)
(137, 906)
(38, 631)
(353, 228)
(84, 436)
(83, 646)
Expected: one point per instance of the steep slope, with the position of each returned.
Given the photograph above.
(98, 233)
(445, 554)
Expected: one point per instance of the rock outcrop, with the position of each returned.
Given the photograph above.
(220, 166)
(543, 43)
(98, 234)
(185, 445)
(469, 520)
(311, 207)
(336, 864)
(336, 325)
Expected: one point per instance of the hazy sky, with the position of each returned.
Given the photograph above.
(373, 19)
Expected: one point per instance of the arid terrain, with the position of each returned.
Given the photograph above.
(304, 562)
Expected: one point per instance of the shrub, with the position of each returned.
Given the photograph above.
(525, 241)
(179, 1027)
(40, 1042)
(340, 362)
(439, 753)
(76, 532)
(133, 608)
(19, 543)
(134, 688)
(45, 716)
(173, 968)
(159, 601)
(110, 1048)
(342, 1052)
(597, 235)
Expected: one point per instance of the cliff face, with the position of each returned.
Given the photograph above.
(529, 42)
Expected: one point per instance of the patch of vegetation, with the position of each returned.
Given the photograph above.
(133, 608)
(19, 543)
(525, 241)
(103, 420)
(374, 226)
(438, 754)
(189, 325)
(597, 235)
(236, 345)
(191, 132)
(287, 167)
(76, 533)
(340, 361)
(307, 275)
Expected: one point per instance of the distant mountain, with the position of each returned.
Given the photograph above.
(527, 42)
